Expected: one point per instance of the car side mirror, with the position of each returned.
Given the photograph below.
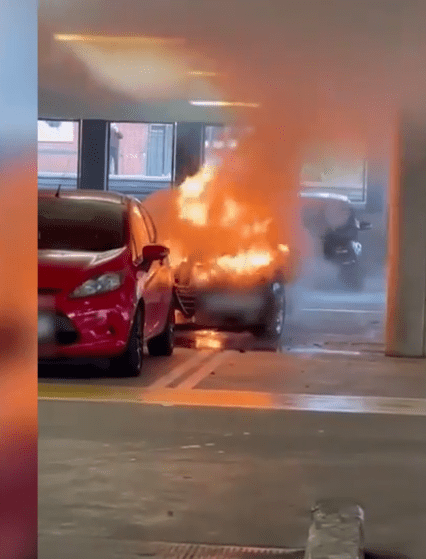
(365, 225)
(150, 253)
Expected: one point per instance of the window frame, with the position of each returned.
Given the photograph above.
(169, 135)
(60, 175)
(137, 251)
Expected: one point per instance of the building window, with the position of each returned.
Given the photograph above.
(58, 153)
(219, 140)
(140, 151)
(340, 173)
(160, 146)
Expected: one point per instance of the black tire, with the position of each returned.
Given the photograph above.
(259, 330)
(273, 327)
(129, 364)
(163, 345)
(352, 277)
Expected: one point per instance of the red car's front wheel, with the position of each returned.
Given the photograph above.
(164, 343)
(129, 364)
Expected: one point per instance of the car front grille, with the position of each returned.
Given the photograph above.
(186, 300)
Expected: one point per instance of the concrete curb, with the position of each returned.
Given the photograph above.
(336, 531)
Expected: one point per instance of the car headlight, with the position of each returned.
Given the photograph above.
(96, 286)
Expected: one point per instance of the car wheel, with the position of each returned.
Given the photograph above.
(129, 364)
(163, 344)
(276, 324)
(352, 277)
(273, 328)
(259, 330)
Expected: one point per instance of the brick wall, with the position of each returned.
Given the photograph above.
(133, 155)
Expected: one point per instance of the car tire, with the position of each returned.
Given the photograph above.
(273, 327)
(259, 330)
(163, 345)
(129, 364)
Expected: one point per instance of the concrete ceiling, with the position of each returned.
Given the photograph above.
(366, 52)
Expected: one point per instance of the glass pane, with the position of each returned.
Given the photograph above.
(333, 170)
(219, 140)
(140, 151)
(80, 225)
(58, 149)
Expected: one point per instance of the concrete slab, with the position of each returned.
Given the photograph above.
(86, 372)
(314, 372)
(127, 473)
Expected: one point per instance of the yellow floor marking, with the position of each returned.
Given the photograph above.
(180, 370)
(197, 376)
(235, 399)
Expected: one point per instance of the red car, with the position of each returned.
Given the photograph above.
(107, 284)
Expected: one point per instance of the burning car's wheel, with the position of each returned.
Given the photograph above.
(164, 343)
(130, 363)
(273, 326)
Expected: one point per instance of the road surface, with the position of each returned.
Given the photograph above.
(232, 440)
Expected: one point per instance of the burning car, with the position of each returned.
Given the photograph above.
(229, 257)
(221, 293)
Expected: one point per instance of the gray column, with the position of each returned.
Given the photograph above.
(188, 150)
(94, 154)
(407, 242)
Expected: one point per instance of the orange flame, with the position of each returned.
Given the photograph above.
(191, 207)
(245, 262)
(226, 224)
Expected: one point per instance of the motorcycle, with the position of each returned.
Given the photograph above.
(342, 247)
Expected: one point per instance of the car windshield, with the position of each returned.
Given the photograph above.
(80, 225)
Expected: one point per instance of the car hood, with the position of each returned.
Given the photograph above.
(61, 270)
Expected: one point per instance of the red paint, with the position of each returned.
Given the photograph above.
(103, 321)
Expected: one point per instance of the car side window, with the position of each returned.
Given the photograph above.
(140, 236)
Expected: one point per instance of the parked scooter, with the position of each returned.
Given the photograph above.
(342, 247)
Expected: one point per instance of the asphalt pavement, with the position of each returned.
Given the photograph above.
(120, 473)
(233, 439)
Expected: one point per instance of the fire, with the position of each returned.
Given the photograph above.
(283, 248)
(191, 207)
(209, 339)
(195, 212)
(176, 252)
(245, 262)
(231, 214)
(256, 228)
(226, 225)
(194, 186)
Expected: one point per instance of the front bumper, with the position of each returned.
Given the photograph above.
(230, 308)
(97, 329)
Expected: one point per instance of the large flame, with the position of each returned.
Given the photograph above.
(245, 262)
(221, 229)
(192, 208)
(235, 223)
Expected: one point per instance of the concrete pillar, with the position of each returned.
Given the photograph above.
(188, 152)
(377, 181)
(406, 316)
(94, 154)
(375, 242)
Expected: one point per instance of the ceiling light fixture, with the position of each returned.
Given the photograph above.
(224, 104)
(203, 73)
(126, 39)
